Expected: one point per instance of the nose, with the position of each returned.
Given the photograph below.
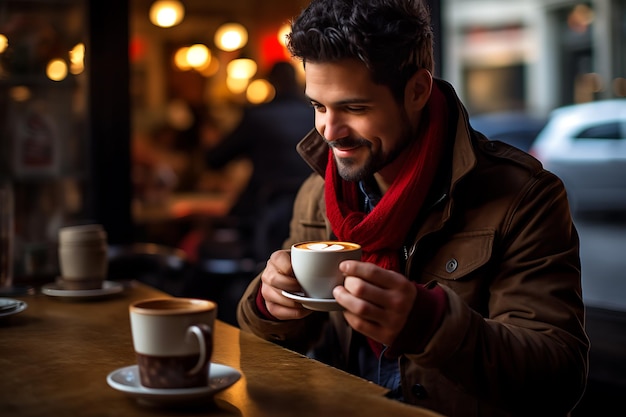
(331, 125)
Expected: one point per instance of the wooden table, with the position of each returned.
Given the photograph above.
(55, 357)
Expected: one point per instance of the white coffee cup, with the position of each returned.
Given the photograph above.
(173, 341)
(316, 265)
(83, 258)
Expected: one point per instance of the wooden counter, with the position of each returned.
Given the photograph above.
(55, 357)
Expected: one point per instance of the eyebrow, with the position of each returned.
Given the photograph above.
(344, 102)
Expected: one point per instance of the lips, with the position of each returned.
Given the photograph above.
(345, 147)
(345, 152)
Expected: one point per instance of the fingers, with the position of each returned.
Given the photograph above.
(276, 277)
(377, 301)
(360, 297)
(365, 317)
(372, 273)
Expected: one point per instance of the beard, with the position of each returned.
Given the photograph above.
(350, 169)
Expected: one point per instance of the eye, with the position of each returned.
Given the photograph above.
(356, 109)
(317, 106)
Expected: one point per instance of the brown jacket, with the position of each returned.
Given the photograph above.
(499, 238)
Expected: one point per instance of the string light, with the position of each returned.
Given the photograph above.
(166, 13)
(231, 36)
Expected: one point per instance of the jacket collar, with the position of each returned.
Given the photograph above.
(314, 150)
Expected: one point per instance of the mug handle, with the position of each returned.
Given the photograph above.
(203, 333)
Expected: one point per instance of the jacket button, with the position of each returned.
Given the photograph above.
(490, 146)
(419, 391)
(451, 265)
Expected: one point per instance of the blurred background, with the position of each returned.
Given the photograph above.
(112, 112)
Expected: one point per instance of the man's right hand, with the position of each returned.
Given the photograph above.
(276, 277)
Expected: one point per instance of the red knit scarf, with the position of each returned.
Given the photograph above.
(382, 232)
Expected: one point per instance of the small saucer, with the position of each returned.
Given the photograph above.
(108, 288)
(9, 306)
(317, 304)
(127, 381)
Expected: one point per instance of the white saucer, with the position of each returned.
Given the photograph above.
(317, 304)
(108, 288)
(9, 306)
(127, 381)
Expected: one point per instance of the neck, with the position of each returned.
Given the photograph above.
(386, 176)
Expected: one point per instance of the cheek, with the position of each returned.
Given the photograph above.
(388, 136)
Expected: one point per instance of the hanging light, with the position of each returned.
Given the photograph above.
(260, 91)
(4, 43)
(180, 59)
(283, 31)
(167, 13)
(231, 36)
(77, 59)
(241, 68)
(56, 70)
(198, 55)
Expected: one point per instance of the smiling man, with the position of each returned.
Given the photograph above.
(467, 299)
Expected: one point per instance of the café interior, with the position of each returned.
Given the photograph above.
(106, 109)
(109, 109)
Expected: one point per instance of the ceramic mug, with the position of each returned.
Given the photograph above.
(316, 265)
(83, 257)
(173, 341)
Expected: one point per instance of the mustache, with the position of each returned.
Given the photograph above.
(347, 143)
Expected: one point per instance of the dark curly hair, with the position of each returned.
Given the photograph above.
(393, 38)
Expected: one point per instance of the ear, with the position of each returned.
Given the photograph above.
(417, 91)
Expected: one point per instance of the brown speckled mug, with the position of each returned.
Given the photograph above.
(173, 341)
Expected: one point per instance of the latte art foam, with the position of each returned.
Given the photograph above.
(327, 246)
(324, 247)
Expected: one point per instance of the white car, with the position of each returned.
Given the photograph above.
(585, 145)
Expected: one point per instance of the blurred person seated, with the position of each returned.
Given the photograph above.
(267, 135)
(154, 169)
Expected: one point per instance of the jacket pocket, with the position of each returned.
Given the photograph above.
(461, 255)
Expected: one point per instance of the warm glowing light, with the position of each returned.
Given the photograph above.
(56, 70)
(77, 54)
(4, 43)
(210, 69)
(236, 85)
(165, 13)
(198, 55)
(77, 59)
(242, 68)
(260, 91)
(283, 31)
(180, 59)
(231, 36)
(136, 48)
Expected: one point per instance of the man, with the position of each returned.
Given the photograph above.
(468, 297)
